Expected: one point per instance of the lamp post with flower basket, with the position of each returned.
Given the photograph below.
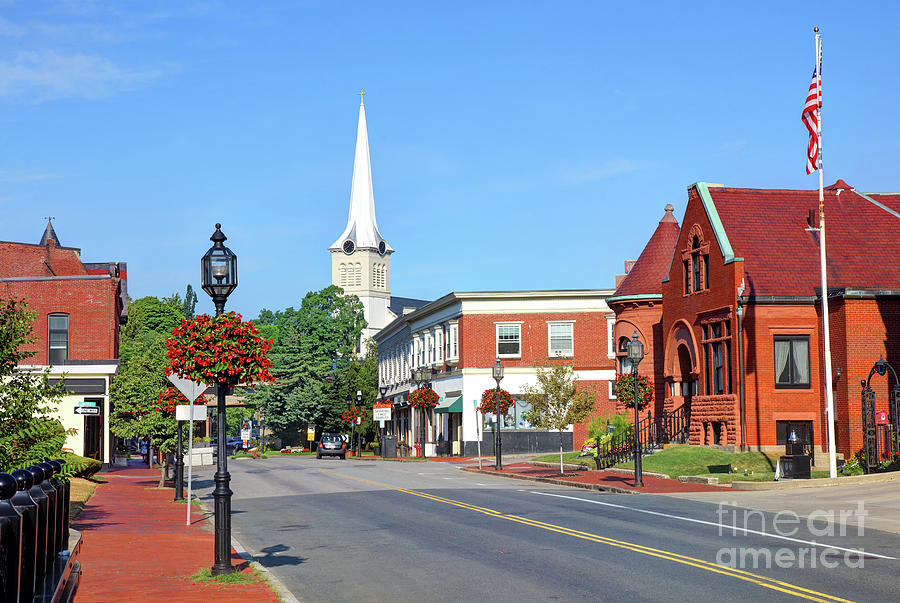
(635, 355)
(226, 351)
(497, 373)
(423, 398)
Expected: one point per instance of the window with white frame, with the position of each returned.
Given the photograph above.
(453, 342)
(562, 340)
(439, 344)
(610, 345)
(58, 338)
(429, 348)
(509, 340)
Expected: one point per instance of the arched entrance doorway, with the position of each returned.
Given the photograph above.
(686, 378)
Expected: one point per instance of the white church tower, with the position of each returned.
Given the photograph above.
(360, 257)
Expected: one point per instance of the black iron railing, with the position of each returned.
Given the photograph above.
(36, 563)
(668, 428)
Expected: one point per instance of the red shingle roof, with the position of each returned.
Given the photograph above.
(652, 266)
(767, 229)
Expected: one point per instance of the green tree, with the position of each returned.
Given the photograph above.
(314, 348)
(141, 379)
(556, 401)
(28, 431)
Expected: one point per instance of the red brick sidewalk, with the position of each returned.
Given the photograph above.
(136, 546)
(618, 481)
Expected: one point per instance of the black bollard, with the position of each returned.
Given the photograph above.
(62, 522)
(28, 508)
(53, 500)
(179, 466)
(67, 499)
(43, 503)
(10, 541)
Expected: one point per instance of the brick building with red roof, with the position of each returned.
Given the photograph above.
(730, 314)
(79, 308)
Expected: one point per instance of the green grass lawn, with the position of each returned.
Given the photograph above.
(698, 460)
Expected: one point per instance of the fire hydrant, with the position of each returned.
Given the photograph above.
(418, 447)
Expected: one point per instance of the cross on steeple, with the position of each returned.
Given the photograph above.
(361, 95)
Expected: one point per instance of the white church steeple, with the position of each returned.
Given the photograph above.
(362, 227)
(360, 257)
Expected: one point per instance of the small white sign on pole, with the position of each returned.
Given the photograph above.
(191, 390)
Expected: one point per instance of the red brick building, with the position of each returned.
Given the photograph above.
(737, 340)
(79, 307)
(461, 335)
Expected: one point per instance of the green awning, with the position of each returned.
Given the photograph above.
(449, 405)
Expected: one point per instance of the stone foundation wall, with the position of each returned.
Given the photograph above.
(714, 420)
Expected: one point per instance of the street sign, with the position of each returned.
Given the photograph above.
(191, 389)
(183, 412)
(245, 434)
(87, 410)
(381, 412)
(87, 403)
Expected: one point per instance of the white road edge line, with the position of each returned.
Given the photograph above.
(718, 525)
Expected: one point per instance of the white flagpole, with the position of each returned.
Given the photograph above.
(829, 394)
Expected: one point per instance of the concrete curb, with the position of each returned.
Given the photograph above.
(281, 591)
(824, 482)
(558, 482)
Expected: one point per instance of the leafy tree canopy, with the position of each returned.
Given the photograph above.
(28, 431)
(315, 348)
(556, 402)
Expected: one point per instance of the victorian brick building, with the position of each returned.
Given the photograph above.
(460, 336)
(729, 309)
(79, 307)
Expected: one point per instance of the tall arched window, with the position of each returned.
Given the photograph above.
(342, 271)
(358, 280)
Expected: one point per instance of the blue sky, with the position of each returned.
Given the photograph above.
(515, 145)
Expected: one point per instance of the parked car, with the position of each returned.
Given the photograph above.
(331, 444)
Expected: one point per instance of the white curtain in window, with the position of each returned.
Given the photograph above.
(782, 353)
(800, 351)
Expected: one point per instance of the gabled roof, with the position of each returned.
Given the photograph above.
(645, 277)
(769, 230)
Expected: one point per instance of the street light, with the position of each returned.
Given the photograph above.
(497, 372)
(422, 377)
(352, 422)
(218, 277)
(383, 391)
(635, 350)
(358, 431)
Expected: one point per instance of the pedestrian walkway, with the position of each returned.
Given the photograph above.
(601, 480)
(137, 546)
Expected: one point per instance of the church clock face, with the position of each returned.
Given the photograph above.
(382, 247)
(349, 246)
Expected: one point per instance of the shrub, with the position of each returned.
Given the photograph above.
(80, 466)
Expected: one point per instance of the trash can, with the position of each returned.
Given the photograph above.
(443, 448)
(389, 447)
(795, 466)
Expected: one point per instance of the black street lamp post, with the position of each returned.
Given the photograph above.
(497, 372)
(179, 465)
(359, 430)
(383, 391)
(352, 423)
(218, 277)
(635, 355)
(422, 377)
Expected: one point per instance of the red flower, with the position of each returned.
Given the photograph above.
(489, 401)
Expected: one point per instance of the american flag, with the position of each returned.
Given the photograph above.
(811, 119)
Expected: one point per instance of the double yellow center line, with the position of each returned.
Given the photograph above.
(770, 583)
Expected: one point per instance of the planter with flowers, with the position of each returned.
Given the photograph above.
(424, 398)
(489, 401)
(624, 390)
(219, 349)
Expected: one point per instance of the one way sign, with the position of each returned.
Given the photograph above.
(87, 410)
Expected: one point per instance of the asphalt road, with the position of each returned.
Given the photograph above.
(334, 530)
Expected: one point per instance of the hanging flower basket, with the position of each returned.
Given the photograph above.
(349, 416)
(489, 401)
(219, 349)
(168, 399)
(424, 398)
(624, 390)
